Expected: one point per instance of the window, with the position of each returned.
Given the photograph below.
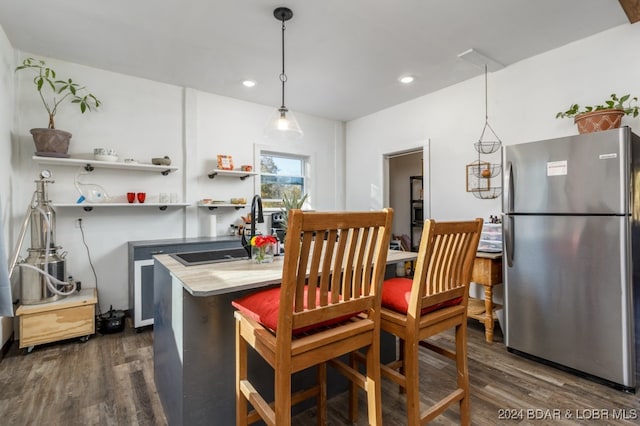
(281, 174)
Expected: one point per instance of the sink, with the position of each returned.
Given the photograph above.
(211, 256)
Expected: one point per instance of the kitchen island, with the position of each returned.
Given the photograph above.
(194, 340)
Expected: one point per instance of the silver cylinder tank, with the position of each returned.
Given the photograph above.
(43, 220)
(33, 285)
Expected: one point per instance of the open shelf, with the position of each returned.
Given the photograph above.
(89, 206)
(476, 309)
(90, 164)
(231, 173)
(213, 206)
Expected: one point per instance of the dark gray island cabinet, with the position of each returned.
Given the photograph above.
(194, 337)
(141, 268)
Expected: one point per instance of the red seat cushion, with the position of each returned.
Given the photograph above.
(263, 307)
(397, 291)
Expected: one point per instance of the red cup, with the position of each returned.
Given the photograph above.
(142, 196)
(131, 197)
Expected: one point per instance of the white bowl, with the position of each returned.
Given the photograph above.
(105, 157)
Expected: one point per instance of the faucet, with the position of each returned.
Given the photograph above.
(256, 202)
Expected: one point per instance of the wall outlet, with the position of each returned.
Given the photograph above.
(79, 222)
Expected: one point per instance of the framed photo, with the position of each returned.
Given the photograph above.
(475, 183)
(225, 162)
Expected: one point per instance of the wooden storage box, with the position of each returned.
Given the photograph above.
(72, 316)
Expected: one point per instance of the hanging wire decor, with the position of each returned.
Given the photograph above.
(492, 142)
(483, 170)
(488, 194)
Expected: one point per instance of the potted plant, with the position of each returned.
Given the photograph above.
(53, 93)
(604, 116)
(291, 201)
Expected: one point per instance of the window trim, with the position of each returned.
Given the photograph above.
(308, 167)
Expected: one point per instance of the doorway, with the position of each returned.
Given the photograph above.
(406, 187)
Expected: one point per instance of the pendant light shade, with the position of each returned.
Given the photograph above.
(282, 124)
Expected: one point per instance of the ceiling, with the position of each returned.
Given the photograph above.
(343, 57)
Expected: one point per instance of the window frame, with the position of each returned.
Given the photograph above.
(307, 160)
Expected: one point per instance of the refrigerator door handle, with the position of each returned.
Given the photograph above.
(507, 209)
(508, 238)
(507, 200)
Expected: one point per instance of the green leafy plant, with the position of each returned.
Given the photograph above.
(54, 92)
(631, 108)
(291, 201)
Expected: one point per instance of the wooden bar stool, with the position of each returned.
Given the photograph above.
(433, 301)
(328, 305)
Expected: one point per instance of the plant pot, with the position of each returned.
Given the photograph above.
(597, 121)
(51, 141)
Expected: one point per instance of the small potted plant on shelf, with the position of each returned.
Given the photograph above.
(53, 93)
(604, 116)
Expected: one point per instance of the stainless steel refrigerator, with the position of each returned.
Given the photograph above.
(572, 253)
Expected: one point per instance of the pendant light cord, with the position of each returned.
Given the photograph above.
(494, 144)
(283, 76)
(486, 96)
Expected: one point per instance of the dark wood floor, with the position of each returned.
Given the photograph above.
(109, 381)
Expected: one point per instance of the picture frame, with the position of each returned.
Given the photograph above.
(475, 183)
(225, 162)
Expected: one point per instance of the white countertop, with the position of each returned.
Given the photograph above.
(227, 277)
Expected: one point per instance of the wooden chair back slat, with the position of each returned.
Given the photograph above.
(360, 247)
(369, 255)
(337, 262)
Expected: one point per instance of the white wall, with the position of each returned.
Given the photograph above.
(142, 119)
(6, 126)
(228, 126)
(523, 100)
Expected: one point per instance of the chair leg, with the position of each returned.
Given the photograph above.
(241, 374)
(463, 373)
(322, 394)
(282, 396)
(401, 352)
(410, 370)
(353, 391)
(373, 385)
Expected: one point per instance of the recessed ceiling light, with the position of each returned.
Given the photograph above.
(248, 83)
(406, 79)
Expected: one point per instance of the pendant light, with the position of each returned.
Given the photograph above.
(282, 124)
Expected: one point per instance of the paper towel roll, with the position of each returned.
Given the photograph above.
(212, 225)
